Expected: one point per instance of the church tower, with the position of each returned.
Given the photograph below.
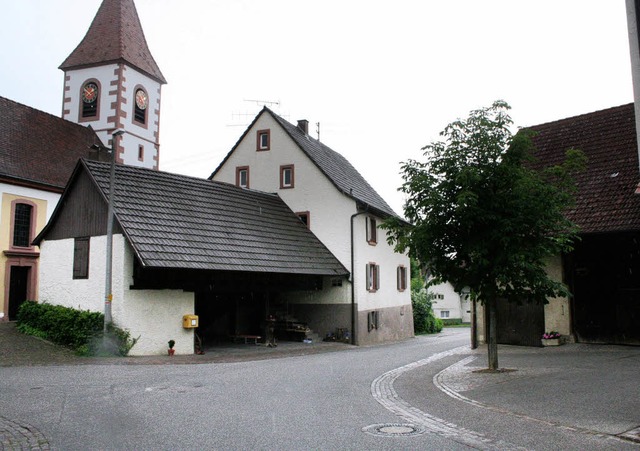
(112, 82)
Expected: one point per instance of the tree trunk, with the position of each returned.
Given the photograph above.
(492, 342)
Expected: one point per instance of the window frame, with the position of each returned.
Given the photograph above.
(372, 230)
(283, 169)
(32, 224)
(373, 320)
(306, 215)
(259, 145)
(239, 170)
(81, 255)
(373, 277)
(401, 278)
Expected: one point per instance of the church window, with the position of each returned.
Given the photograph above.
(90, 99)
(22, 221)
(264, 140)
(140, 106)
(286, 176)
(242, 176)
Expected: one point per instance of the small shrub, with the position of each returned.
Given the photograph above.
(452, 322)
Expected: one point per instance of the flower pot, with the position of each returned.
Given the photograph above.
(171, 351)
(551, 342)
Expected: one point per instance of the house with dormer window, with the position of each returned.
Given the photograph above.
(344, 211)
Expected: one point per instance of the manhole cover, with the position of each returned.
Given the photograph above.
(394, 430)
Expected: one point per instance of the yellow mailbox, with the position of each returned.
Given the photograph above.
(190, 321)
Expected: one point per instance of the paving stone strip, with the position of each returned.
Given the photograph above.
(15, 436)
(383, 392)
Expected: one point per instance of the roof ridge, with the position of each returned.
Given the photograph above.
(580, 116)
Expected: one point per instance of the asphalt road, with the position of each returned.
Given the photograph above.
(345, 400)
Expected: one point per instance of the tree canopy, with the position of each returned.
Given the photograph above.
(481, 216)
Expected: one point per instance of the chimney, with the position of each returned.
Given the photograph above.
(303, 125)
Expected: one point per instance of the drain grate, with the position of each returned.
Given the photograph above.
(394, 430)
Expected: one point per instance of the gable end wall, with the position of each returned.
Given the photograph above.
(82, 213)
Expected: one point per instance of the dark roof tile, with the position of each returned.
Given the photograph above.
(175, 221)
(606, 199)
(39, 148)
(115, 35)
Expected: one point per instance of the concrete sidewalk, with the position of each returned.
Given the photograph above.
(593, 389)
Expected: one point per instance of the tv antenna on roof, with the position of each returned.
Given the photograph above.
(264, 102)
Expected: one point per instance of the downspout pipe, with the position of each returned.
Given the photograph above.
(353, 282)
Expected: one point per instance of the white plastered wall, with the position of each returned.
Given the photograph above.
(153, 315)
(384, 256)
(72, 94)
(557, 314)
(140, 135)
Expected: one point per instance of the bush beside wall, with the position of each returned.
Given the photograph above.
(80, 330)
(424, 321)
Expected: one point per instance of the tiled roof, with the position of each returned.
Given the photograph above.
(39, 148)
(333, 165)
(115, 35)
(605, 200)
(175, 221)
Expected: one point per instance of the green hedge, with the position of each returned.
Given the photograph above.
(80, 330)
(424, 322)
(452, 322)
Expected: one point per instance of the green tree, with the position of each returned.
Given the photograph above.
(481, 217)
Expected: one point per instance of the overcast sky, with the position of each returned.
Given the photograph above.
(382, 78)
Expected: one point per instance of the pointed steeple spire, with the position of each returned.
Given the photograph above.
(115, 35)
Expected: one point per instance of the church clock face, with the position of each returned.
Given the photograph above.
(90, 93)
(142, 100)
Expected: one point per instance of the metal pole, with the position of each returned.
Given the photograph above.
(108, 296)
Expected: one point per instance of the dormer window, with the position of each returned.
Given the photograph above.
(263, 140)
(90, 100)
(140, 106)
